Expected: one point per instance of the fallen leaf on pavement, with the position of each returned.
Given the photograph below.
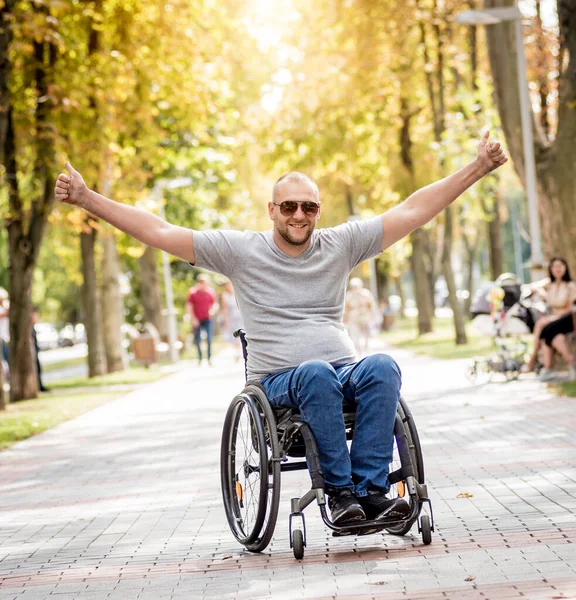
(464, 495)
(471, 578)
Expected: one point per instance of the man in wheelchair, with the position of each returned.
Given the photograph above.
(290, 285)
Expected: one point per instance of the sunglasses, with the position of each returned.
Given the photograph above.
(289, 207)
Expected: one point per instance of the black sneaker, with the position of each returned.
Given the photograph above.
(377, 506)
(344, 507)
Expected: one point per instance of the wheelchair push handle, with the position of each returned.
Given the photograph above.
(240, 333)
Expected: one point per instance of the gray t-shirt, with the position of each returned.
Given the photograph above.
(291, 307)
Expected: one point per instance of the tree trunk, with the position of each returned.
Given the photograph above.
(112, 306)
(92, 319)
(448, 272)
(438, 26)
(26, 226)
(421, 286)
(555, 162)
(23, 376)
(23, 380)
(433, 263)
(470, 260)
(543, 69)
(350, 201)
(382, 282)
(402, 296)
(420, 272)
(151, 292)
(495, 248)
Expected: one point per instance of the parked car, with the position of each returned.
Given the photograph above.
(67, 336)
(47, 336)
(72, 334)
(80, 333)
(441, 294)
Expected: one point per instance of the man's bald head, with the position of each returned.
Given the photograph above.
(298, 177)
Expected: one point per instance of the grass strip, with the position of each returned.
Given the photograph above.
(63, 364)
(567, 389)
(132, 376)
(26, 418)
(440, 343)
(68, 399)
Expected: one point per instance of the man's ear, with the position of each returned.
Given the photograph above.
(271, 210)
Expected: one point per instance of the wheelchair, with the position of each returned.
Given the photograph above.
(259, 442)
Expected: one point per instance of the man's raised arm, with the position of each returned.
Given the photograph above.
(424, 204)
(140, 224)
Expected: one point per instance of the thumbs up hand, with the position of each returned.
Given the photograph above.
(491, 154)
(71, 188)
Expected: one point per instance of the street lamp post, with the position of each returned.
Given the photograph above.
(493, 16)
(156, 194)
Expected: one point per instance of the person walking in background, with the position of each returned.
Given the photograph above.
(359, 314)
(202, 306)
(4, 330)
(231, 318)
(41, 386)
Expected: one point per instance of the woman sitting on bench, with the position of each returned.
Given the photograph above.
(554, 338)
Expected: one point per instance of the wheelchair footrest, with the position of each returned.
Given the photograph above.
(364, 527)
(369, 531)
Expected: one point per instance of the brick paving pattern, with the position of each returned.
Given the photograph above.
(124, 502)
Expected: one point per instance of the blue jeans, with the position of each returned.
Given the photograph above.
(208, 327)
(318, 389)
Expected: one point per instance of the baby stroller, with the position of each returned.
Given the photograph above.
(503, 310)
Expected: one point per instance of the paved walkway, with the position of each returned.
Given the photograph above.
(124, 502)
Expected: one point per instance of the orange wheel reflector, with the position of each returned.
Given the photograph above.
(401, 489)
(239, 492)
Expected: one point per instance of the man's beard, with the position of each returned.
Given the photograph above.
(287, 237)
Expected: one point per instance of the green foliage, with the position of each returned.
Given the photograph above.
(139, 91)
(24, 419)
(132, 377)
(357, 73)
(232, 95)
(567, 389)
(68, 400)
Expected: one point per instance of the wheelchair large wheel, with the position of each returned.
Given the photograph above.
(250, 469)
(399, 490)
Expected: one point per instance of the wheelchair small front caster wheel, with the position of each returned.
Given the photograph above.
(297, 529)
(426, 529)
(298, 544)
